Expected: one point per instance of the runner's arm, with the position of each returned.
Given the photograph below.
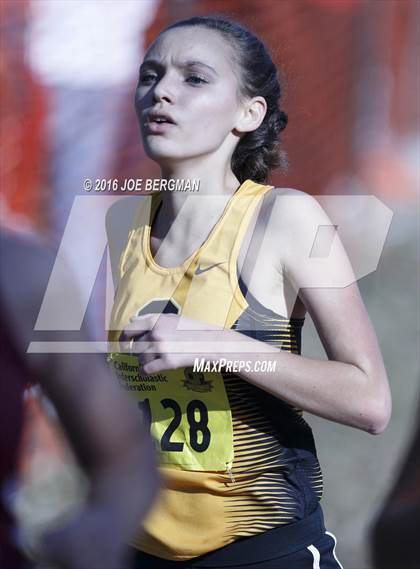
(352, 386)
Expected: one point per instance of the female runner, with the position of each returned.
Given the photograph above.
(223, 277)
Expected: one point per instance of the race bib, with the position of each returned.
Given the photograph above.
(189, 413)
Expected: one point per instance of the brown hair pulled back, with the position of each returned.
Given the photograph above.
(258, 151)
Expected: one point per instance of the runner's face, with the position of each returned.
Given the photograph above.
(188, 76)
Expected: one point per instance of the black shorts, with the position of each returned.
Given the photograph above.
(302, 545)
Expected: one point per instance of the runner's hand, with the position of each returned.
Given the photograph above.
(167, 341)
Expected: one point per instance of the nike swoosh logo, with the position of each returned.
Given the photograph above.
(199, 270)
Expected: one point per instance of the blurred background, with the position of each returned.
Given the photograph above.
(350, 72)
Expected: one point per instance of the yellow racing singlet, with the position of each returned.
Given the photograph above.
(235, 460)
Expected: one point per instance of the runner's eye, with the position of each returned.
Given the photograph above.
(195, 79)
(146, 78)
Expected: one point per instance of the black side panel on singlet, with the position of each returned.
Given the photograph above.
(277, 474)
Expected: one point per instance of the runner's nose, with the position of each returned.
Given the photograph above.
(164, 91)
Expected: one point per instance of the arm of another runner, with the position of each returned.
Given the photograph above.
(101, 422)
